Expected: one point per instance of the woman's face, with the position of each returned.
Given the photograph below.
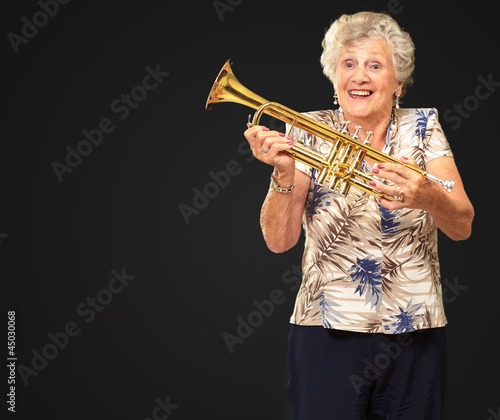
(366, 80)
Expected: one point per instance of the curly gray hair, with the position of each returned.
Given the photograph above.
(349, 30)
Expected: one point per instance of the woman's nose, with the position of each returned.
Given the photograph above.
(360, 75)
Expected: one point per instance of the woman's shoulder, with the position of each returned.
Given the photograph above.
(416, 120)
(417, 115)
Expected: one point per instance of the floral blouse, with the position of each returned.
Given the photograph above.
(366, 268)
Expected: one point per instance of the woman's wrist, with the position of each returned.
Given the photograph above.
(277, 188)
(282, 179)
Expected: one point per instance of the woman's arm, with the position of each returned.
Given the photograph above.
(281, 215)
(452, 212)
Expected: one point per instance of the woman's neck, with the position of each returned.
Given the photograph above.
(376, 124)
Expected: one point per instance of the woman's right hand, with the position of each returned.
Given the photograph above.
(267, 146)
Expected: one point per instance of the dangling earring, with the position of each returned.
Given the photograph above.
(397, 101)
(336, 102)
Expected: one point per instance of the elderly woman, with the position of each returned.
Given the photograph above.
(367, 337)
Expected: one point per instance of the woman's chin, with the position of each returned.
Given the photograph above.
(358, 112)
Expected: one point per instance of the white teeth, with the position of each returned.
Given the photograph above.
(360, 92)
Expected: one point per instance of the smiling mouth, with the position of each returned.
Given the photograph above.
(357, 94)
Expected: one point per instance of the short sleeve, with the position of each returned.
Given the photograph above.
(435, 143)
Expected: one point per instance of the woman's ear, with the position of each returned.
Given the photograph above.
(401, 89)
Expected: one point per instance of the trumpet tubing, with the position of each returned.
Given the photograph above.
(339, 167)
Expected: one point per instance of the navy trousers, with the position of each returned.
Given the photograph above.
(343, 375)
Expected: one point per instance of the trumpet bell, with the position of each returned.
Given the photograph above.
(227, 88)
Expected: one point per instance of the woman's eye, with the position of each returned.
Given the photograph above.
(348, 65)
(376, 66)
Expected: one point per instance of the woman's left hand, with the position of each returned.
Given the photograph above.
(452, 212)
(411, 188)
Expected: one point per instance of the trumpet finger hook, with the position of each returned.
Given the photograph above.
(249, 123)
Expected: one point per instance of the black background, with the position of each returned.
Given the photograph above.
(162, 335)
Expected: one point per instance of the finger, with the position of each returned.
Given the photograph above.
(266, 139)
(390, 190)
(273, 139)
(393, 172)
(252, 135)
(254, 130)
(409, 161)
(279, 146)
(402, 170)
(391, 205)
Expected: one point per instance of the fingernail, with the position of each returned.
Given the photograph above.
(265, 129)
(282, 134)
(404, 158)
(373, 183)
(289, 138)
(291, 143)
(375, 171)
(380, 166)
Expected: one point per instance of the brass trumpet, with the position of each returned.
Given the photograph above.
(339, 167)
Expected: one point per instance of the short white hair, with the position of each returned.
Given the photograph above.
(350, 30)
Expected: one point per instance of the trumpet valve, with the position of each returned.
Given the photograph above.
(355, 135)
(344, 126)
(367, 140)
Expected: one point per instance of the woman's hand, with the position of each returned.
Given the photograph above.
(412, 189)
(267, 146)
(452, 212)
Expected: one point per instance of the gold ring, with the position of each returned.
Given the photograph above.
(401, 196)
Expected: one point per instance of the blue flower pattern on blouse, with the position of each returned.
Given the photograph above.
(422, 116)
(405, 320)
(328, 311)
(320, 197)
(367, 274)
(389, 220)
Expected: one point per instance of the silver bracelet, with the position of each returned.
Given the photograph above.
(277, 188)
